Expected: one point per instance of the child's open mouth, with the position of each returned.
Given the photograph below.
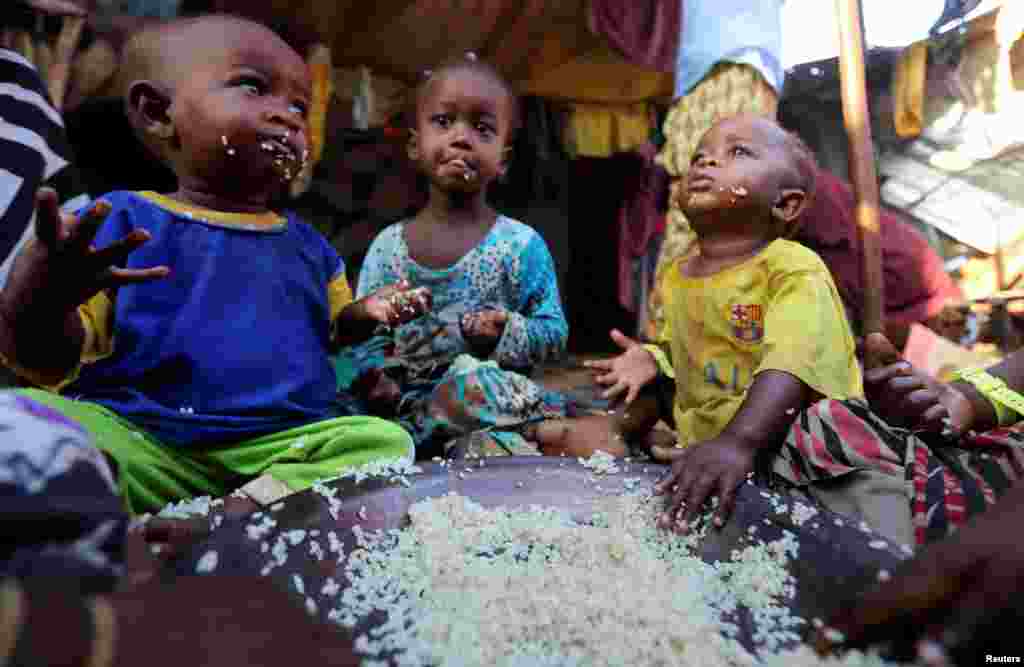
(280, 149)
(287, 160)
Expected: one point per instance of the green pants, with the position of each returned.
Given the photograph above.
(152, 474)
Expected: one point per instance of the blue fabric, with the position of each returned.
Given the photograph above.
(739, 31)
(233, 344)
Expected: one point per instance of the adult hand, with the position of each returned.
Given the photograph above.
(222, 620)
(948, 593)
(905, 397)
(629, 372)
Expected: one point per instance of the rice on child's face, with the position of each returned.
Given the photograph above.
(240, 115)
(739, 164)
(462, 125)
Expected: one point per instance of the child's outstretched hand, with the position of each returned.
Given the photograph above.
(397, 304)
(629, 372)
(905, 397)
(62, 269)
(707, 469)
(482, 329)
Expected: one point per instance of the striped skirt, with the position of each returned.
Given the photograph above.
(947, 482)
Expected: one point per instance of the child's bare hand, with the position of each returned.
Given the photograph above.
(711, 468)
(483, 326)
(62, 268)
(397, 304)
(905, 397)
(629, 372)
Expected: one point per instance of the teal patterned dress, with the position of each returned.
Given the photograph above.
(446, 392)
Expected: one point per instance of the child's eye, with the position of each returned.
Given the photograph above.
(697, 157)
(251, 85)
(739, 150)
(485, 130)
(299, 109)
(442, 120)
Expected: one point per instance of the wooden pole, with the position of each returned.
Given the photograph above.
(862, 160)
(63, 55)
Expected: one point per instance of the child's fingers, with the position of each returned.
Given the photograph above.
(116, 277)
(680, 489)
(632, 393)
(600, 364)
(622, 340)
(614, 390)
(118, 251)
(666, 482)
(84, 230)
(726, 499)
(697, 494)
(49, 225)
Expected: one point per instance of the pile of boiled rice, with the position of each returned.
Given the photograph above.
(466, 585)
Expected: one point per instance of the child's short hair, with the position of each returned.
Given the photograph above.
(468, 61)
(806, 165)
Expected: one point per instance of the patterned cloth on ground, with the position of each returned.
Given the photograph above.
(59, 507)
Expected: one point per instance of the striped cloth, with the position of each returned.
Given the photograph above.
(34, 151)
(947, 482)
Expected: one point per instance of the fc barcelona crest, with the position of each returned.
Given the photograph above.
(747, 322)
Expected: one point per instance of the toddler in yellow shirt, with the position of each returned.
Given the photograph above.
(754, 329)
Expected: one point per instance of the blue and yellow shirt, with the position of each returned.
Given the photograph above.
(233, 344)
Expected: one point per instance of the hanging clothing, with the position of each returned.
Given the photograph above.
(641, 218)
(908, 88)
(646, 33)
(604, 130)
(917, 286)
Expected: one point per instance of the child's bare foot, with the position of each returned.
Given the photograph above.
(580, 436)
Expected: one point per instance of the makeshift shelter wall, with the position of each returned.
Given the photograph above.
(544, 46)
